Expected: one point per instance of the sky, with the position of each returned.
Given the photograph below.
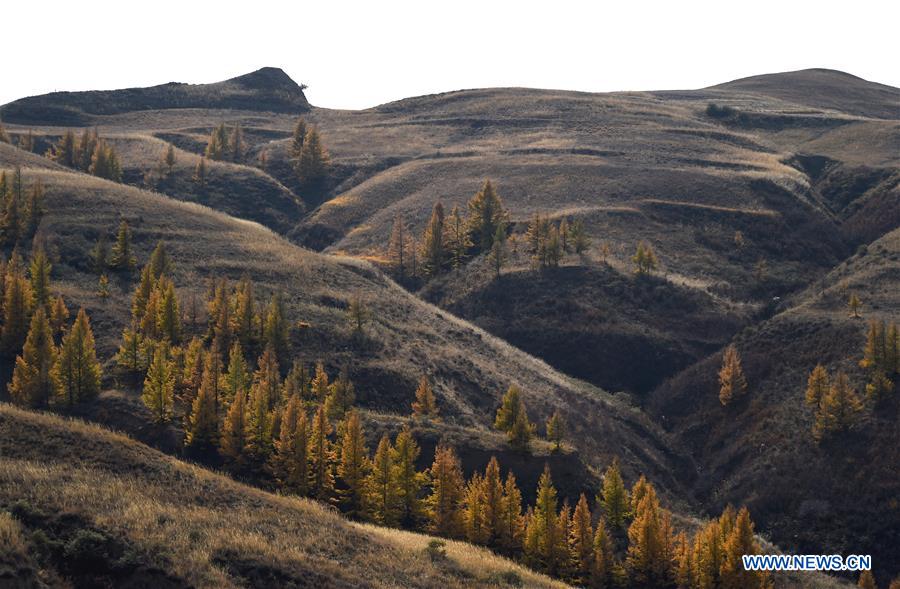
(361, 54)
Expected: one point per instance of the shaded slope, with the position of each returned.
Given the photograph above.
(267, 89)
(128, 515)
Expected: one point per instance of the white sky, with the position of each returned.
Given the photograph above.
(360, 54)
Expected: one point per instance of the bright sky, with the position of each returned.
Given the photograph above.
(360, 54)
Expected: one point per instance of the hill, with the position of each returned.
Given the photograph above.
(99, 509)
(267, 89)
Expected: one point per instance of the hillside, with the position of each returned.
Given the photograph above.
(99, 509)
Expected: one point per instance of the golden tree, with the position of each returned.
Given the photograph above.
(445, 503)
(32, 383)
(354, 466)
(159, 385)
(425, 404)
(732, 382)
(77, 371)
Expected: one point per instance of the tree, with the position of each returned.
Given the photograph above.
(644, 259)
(492, 487)
(341, 395)
(245, 314)
(217, 146)
(512, 524)
(519, 436)
(17, 306)
(159, 264)
(354, 465)
(645, 558)
(456, 239)
(552, 548)
(509, 409)
(297, 457)
(740, 541)
(407, 481)
(203, 423)
(297, 139)
(297, 382)
(578, 237)
(433, 251)
(892, 350)
(159, 386)
(268, 377)
(77, 371)
(122, 257)
(497, 256)
(732, 383)
(34, 208)
(358, 313)
(854, 304)
(233, 442)
(474, 512)
(397, 247)
(168, 318)
(105, 162)
(581, 540)
(59, 317)
(169, 157)
(32, 381)
(237, 378)
(319, 383)
(64, 151)
(816, 386)
(312, 165)
(103, 287)
(613, 497)
(258, 430)
(200, 172)
(444, 504)
(236, 144)
(708, 555)
(275, 332)
(40, 279)
(381, 485)
(132, 350)
(866, 580)
(603, 559)
(321, 458)
(425, 405)
(485, 216)
(555, 430)
(838, 410)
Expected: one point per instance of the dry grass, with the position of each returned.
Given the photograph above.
(200, 526)
(12, 544)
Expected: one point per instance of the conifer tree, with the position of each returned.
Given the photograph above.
(816, 386)
(381, 485)
(581, 540)
(105, 162)
(238, 377)
(838, 410)
(341, 396)
(602, 561)
(444, 504)
(169, 157)
(200, 173)
(321, 458)
(354, 466)
(407, 481)
(132, 350)
(854, 304)
(519, 436)
(159, 264)
(297, 469)
(512, 524)
(892, 350)
(493, 502)
(425, 405)
(552, 550)
(59, 317)
(866, 580)
(873, 353)
(4, 137)
(397, 245)
(159, 386)
(738, 542)
(34, 208)
(497, 256)
(17, 306)
(456, 239)
(433, 250)
(85, 149)
(40, 279)
(32, 381)
(233, 443)
(122, 257)
(217, 146)
(732, 383)
(268, 377)
(358, 314)
(258, 430)
(245, 314)
(236, 147)
(77, 371)
(708, 555)
(64, 151)
(646, 543)
(168, 317)
(509, 409)
(276, 329)
(103, 287)
(312, 165)
(613, 497)
(297, 139)
(578, 237)
(474, 511)
(193, 369)
(555, 430)
(203, 423)
(297, 382)
(564, 525)
(644, 259)
(485, 216)
(320, 385)
(11, 222)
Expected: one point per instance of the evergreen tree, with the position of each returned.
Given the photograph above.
(203, 423)
(512, 524)
(445, 503)
(485, 216)
(11, 222)
(358, 314)
(892, 350)
(238, 378)
(644, 259)
(320, 386)
(816, 386)
(838, 410)
(59, 317)
(456, 239)
(312, 165)
(581, 540)
(732, 383)
(34, 208)
(200, 173)
(433, 250)
(105, 162)
(555, 430)
(354, 466)
(40, 279)
(77, 371)
(873, 353)
(493, 502)
(122, 257)
(168, 318)
(276, 328)
(297, 139)
(509, 409)
(32, 381)
(341, 395)
(407, 481)
(425, 405)
(85, 149)
(17, 306)
(854, 304)
(552, 551)
(258, 430)
(519, 436)
(321, 458)
(159, 386)
(169, 157)
(381, 485)
(602, 562)
(233, 443)
(738, 542)
(474, 511)
(645, 560)
(159, 263)
(613, 497)
(397, 245)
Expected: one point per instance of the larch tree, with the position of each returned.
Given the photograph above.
(297, 468)
(312, 165)
(445, 503)
(407, 481)
(17, 306)
(645, 561)
(425, 404)
(839, 409)
(168, 316)
(258, 431)
(358, 314)
(603, 557)
(456, 239)
(217, 146)
(397, 246)
(320, 386)
(122, 258)
(354, 466)
(644, 259)
(275, 332)
(740, 541)
(485, 215)
(200, 173)
(854, 305)
(77, 371)
(493, 502)
(233, 442)
(433, 249)
(732, 382)
(509, 409)
(341, 396)
(555, 430)
(32, 383)
(321, 458)
(381, 487)
(40, 279)
(867, 580)
(512, 523)
(473, 516)
(613, 497)
(816, 386)
(519, 436)
(552, 548)
(267, 377)
(59, 317)
(297, 139)
(579, 238)
(581, 540)
(159, 385)
(169, 157)
(236, 148)
(238, 377)
(245, 318)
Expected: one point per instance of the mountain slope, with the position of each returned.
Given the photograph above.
(125, 515)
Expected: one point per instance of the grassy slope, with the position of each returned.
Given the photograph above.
(838, 496)
(175, 525)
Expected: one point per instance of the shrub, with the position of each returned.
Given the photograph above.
(715, 111)
(436, 550)
(11, 541)
(87, 551)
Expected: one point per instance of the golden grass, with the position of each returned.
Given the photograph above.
(196, 524)
(11, 542)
